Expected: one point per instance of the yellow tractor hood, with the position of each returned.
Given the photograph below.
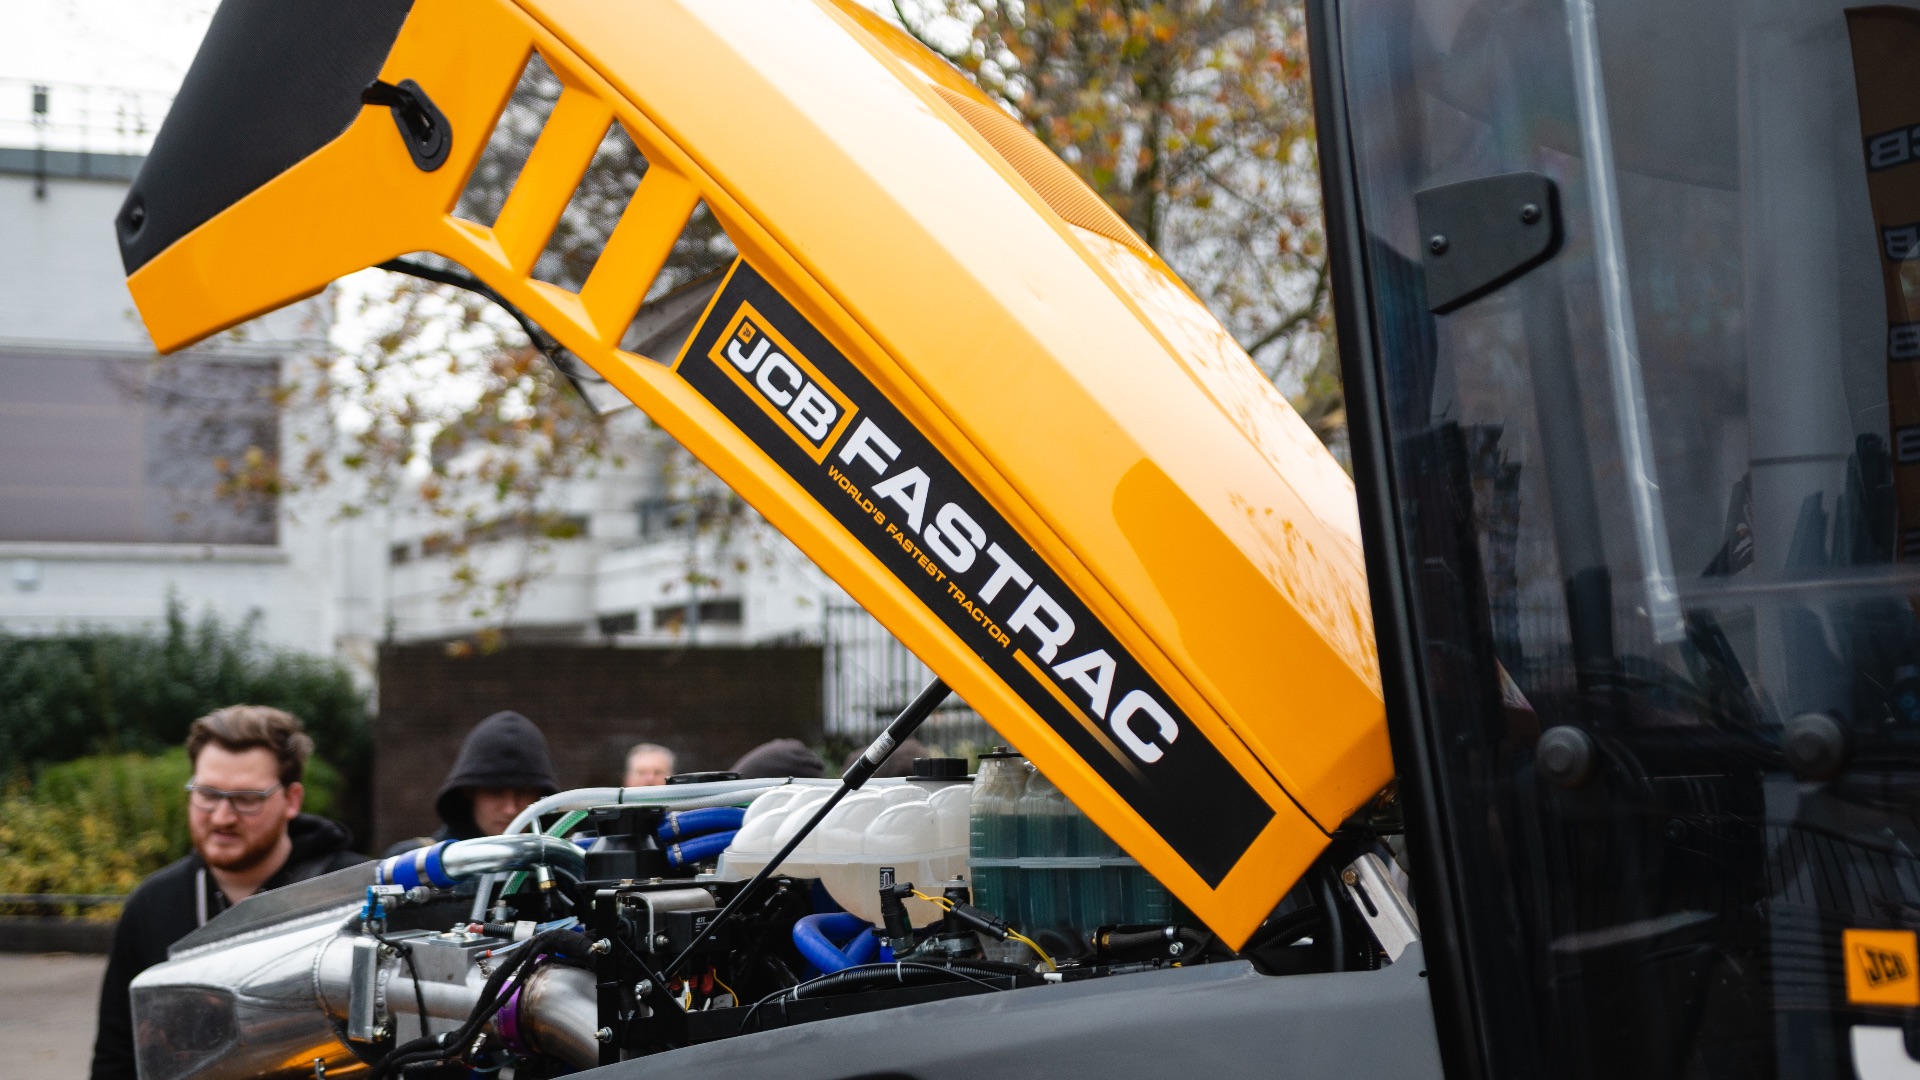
(941, 366)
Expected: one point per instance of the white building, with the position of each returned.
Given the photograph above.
(656, 561)
(107, 453)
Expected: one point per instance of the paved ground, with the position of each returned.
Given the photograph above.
(46, 1024)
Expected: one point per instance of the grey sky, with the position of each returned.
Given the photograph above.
(131, 44)
(110, 65)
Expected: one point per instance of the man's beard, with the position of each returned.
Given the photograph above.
(249, 857)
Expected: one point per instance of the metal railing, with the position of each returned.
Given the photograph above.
(53, 115)
(871, 676)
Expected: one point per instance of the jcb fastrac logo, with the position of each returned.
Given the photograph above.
(782, 382)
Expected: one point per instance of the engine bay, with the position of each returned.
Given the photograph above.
(622, 923)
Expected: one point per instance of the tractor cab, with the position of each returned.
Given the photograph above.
(1630, 312)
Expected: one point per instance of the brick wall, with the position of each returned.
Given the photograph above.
(710, 705)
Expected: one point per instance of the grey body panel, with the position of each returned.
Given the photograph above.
(272, 911)
(1214, 1022)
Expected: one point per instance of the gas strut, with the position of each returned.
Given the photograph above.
(857, 774)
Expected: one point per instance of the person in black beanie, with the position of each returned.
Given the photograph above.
(779, 757)
(503, 768)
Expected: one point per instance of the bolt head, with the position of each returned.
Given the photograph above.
(661, 941)
(1814, 745)
(1176, 948)
(1438, 244)
(643, 988)
(1349, 876)
(1530, 213)
(1566, 756)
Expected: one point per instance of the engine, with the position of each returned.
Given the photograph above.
(594, 931)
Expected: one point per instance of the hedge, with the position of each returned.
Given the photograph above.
(97, 691)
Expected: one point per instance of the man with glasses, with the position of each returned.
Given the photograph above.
(243, 812)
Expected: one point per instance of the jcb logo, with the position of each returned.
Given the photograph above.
(1892, 148)
(1903, 342)
(1900, 242)
(1880, 967)
(1906, 445)
(782, 382)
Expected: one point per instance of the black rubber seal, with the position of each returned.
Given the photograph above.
(423, 127)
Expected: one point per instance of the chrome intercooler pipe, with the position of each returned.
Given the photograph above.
(449, 862)
(289, 983)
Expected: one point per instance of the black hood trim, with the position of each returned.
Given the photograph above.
(273, 82)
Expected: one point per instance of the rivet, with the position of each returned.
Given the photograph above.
(1437, 244)
(1529, 213)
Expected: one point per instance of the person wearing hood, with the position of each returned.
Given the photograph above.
(779, 757)
(249, 836)
(503, 768)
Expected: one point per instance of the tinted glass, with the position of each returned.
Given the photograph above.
(1661, 491)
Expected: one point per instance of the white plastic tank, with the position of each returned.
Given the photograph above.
(918, 831)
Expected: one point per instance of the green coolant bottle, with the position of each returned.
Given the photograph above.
(1043, 840)
(993, 825)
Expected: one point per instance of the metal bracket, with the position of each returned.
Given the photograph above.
(1381, 904)
(363, 992)
(1483, 233)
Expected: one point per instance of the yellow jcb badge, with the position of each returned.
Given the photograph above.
(1883, 967)
(782, 382)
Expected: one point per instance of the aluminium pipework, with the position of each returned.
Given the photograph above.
(670, 796)
(665, 796)
(450, 861)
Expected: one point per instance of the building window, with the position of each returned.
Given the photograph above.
(661, 519)
(119, 449)
(673, 619)
(520, 527)
(626, 622)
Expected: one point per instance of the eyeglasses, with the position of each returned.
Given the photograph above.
(208, 799)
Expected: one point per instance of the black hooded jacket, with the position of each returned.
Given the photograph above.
(174, 901)
(506, 750)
